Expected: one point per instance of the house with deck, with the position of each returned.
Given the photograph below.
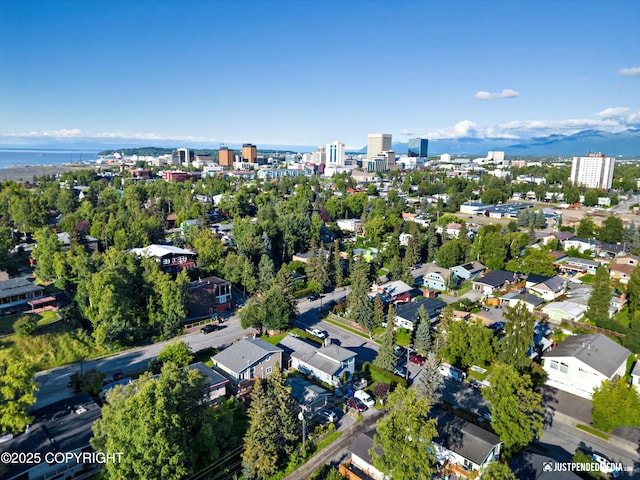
(247, 359)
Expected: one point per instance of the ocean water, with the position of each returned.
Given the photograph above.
(19, 157)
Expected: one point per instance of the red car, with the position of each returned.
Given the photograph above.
(417, 359)
(356, 404)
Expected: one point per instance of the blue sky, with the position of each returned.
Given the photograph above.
(307, 73)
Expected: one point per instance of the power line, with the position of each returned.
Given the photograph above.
(217, 464)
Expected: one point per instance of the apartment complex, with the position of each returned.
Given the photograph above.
(335, 154)
(249, 153)
(378, 143)
(226, 157)
(593, 171)
(418, 147)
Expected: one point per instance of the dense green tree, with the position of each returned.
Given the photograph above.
(166, 301)
(586, 228)
(177, 352)
(47, 245)
(489, 248)
(499, 471)
(25, 325)
(430, 382)
(612, 230)
(404, 435)
(412, 253)
(469, 343)
(516, 409)
(27, 212)
(615, 404)
(600, 298)
(163, 425)
(387, 358)
(378, 311)
(209, 249)
(422, 340)
(518, 336)
(633, 291)
(591, 197)
(359, 306)
(632, 339)
(338, 267)
(318, 268)
(17, 391)
(535, 260)
(254, 314)
(451, 253)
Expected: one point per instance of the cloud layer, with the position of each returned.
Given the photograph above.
(630, 72)
(506, 93)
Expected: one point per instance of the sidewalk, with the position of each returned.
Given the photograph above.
(336, 452)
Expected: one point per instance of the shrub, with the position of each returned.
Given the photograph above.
(25, 325)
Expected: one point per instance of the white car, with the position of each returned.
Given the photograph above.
(328, 415)
(316, 332)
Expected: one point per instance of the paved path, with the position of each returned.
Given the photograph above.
(336, 452)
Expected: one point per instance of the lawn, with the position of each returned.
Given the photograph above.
(403, 337)
(481, 376)
(44, 318)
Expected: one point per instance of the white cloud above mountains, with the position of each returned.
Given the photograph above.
(630, 72)
(506, 93)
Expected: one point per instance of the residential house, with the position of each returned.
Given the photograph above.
(248, 358)
(635, 376)
(612, 250)
(461, 447)
(582, 362)
(549, 289)
(621, 272)
(558, 256)
(63, 426)
(559, 311)
(16, 293)
(627, 260)
(468, 271)
(209, 296)
(530, 301)
(407, 315)
(451, 230)
(359, 466)
(494, 281)
(170, 259)
(573, 265)
(353, 225)
(563, 236)
(215, 382)
(581, 244)
(395, 291)
(309, 396)
(328, 364)
(436, 277)
(88, 241)
(534, 279)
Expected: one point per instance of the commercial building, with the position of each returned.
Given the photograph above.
(593, 171)
(378, 143)
(335, 154)
(226, 157)
(183, 156)
(249, 153)
(418, 147)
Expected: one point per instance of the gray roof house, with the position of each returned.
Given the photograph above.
(248, 358)
(307, 395)
(468, 271)
(582, 362)
(494, 280)
(327, 364)
(461, 446)
(16, 292)
(360, 465)
(512, 299)
(436, 277)
(63, 426)
(216, 383)
(549, 289)
(580, 265)
(407, 315)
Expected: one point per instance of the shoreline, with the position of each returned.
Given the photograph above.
(25, 173)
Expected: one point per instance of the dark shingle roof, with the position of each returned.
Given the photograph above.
(246, 352)
(596, 350)
(361, 446)
(463, 437)
(409, 311)
(497, 278)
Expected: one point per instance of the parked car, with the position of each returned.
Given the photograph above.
(316, 332)
(485, 413)
(356, 404)
(365, 398)
(328, 415)
(207, 329)
(417, 359)
(400, 370)
(606, 465)
(313, 297)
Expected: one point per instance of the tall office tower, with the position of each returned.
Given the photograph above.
(249, 153)
(183, 156)
(335, 154)
(593, 171)
(418, 147)
(226, 157)
(378, 143)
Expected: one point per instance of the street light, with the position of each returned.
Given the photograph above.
(302, 418)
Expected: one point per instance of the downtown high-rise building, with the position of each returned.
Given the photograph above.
(593, 171)
(226, 157)
(378, 143)
(418, 147)
(335, 154)
(249, 153)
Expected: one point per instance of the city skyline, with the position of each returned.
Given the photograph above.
(311, 73)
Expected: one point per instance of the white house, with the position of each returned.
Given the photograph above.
(512, 299)
(559, 311)
(582, 362)
(635, 376)
(350, 225)
(462, 447)
(549, 289)
(327, 364)
(361, 462)
(468, 271)
(582, 244)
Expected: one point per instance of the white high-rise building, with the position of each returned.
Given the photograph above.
(378, 143)
(335, 154)
(593, 171)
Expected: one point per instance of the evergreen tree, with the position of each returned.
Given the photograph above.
(338, 267)
(600, 298)
(633, 291)
(518, 337)
(359, 306)
(612, 230)
(531, 235)
(378, 311)
(422, 340)
(317, 269)
(430, 381)
(632, 338)
(539, 220)
(266, 273)
(412, 252)
(260, 455)
(387, 358)
(433, 242)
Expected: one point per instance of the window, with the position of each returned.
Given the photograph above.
(553, 364)
(269, 370)
(564, 368)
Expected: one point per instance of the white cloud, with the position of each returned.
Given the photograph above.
(613, 112)
(630, 72)
(76, 133)
(506, 93)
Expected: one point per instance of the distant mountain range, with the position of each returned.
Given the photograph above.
(626, 143)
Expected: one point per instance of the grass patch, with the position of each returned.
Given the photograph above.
(204, 356)
(6, 324)
(347, 328)
(326, 441)
(588, 278)
(275, 339)
(47, 317)
(481, 376)
(593, 431)
(622, 317)
(403, 337)
(464, 289)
